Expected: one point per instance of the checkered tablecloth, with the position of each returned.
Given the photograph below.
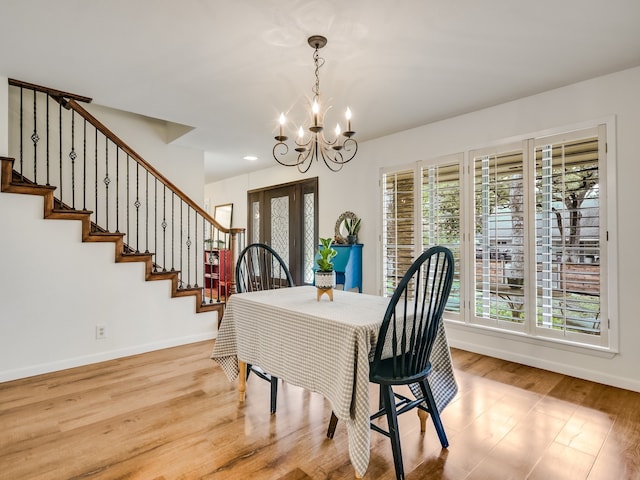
(322, 346)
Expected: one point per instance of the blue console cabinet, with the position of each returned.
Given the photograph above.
(348, 266)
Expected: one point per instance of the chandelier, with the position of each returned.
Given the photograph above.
(315, 145)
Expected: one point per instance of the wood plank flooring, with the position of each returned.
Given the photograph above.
(172, 414)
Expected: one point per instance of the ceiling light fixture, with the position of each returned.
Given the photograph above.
(316, 145)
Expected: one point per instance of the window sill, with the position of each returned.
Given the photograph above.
(546, 342)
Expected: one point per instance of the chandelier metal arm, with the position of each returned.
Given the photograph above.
(335, 158)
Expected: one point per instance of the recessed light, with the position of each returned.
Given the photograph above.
(251, 158)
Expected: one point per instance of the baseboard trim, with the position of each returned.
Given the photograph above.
(64, 364)
(565, 369)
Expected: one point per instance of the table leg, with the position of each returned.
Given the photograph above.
(423, 420)
(332, 425)
(242, 381)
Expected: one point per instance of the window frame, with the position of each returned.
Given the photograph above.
(607, 341)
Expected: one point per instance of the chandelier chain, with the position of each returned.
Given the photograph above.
(319, 62)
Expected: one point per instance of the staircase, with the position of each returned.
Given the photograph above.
(85, 172)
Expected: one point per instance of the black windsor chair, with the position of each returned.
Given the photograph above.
(259, 267)
(405, 341)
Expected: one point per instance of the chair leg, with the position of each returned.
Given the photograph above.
(435, 415)
(394, 434)
(422, 415)
(274, 393)
(332, 425)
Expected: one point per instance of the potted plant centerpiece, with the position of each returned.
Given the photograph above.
(325, 275)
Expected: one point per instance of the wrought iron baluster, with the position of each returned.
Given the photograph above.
(137, 205)
(95, 186)
(195, 253)
(60, 189)
(106, 182)
(181, 283)
(146, 212)
(188, 243)
(173, 231)
(117, 189)
(164, 227)
(35, 138)
(84, 163)
(72, 156)
(155, 224)
(21, 131)
(128, 203)
(47, 159)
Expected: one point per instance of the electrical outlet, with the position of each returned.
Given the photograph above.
(101, 332)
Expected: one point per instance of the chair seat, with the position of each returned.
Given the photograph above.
(384, 373)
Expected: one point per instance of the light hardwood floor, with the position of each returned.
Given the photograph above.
(172, 414)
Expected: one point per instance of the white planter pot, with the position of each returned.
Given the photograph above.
(325, 280)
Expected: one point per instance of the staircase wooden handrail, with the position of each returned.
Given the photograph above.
(51, 91)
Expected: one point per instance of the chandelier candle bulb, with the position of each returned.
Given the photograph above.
(334, 153)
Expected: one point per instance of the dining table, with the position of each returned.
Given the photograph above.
(321, 345)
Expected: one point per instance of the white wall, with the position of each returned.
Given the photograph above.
(54, 289)
(356, 188)
(4, 118)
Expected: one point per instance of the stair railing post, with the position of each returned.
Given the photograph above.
(235, 251)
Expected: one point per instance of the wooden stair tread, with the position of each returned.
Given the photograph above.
(64, 214)
(184, 292)
(212, 307)
(136, 256)
(103, 237)
(163, 275)
(27, 188)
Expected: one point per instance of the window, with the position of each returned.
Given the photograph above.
(568, 235)
(437, 200)
(537, 258)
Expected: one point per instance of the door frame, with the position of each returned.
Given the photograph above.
(296, 191)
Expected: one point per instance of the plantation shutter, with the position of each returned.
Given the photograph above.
(398, 227)
(499, 237)
(441, 217)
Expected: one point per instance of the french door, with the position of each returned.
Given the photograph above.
(286, 218)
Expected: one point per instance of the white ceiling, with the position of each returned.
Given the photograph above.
(229, 68)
